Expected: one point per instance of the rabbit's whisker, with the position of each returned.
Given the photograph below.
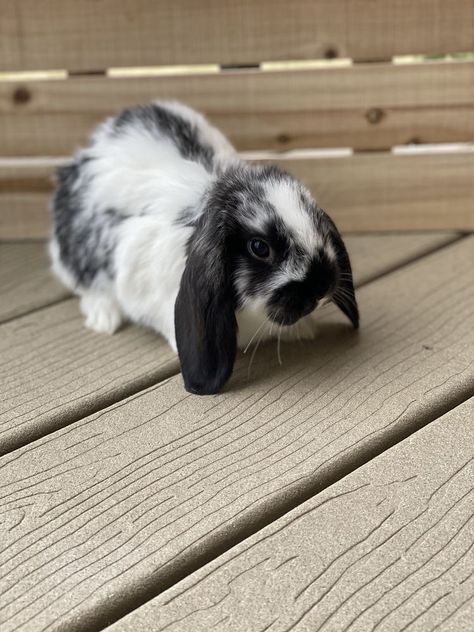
(259, 340)
(344, 296)
(253, 337)
(298, 331)
(279, 345)
(307, 327)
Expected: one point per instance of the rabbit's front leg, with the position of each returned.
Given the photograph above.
(102, 311)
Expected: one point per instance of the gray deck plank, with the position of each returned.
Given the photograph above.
(119, 504)
(389, 547)
(54, 370)
(374, 255)
(26, 282)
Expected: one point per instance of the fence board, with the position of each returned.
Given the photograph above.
(122, 502)
(387, 548)
(364, 193)
(368, 106)
(88, 35)
(393, 192)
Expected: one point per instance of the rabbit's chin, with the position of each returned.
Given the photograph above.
(255, 327)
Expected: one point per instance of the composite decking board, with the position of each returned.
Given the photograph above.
(389, 547)
(26, 282)
(54, 371)
(120, 503)
(376, 254)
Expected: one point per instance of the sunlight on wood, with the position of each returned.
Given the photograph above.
(34, 75)
(160, 71)
(306, 64)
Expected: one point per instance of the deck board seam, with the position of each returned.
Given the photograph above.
(424, 252)
(9, 319)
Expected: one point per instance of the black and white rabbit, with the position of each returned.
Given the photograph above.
(159, 221)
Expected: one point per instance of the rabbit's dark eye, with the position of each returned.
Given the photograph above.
(259, 248)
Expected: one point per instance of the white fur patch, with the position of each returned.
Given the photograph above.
(149, 260)
(102, 312)
(284, 196)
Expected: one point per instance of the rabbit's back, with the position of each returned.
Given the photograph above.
(153, 160)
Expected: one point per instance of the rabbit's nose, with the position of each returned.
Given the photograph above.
(309, 306)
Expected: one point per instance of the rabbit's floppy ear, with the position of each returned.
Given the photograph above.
(344, 295)
(205, 323)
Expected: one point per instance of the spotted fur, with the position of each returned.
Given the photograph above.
(153, 222)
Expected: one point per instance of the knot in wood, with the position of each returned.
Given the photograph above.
(21, 95)
(283, 139)
(374, 115)
(331, 52)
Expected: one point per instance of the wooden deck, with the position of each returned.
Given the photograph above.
(332, 492)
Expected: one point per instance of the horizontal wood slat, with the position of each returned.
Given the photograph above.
(368, 106)
(364, 192)
(99, 368)
(387, 548)
(392, 192)
(89, 35)
(122, 501)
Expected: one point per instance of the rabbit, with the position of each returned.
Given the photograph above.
(160, 222)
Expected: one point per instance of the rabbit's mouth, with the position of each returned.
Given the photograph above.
(291, 313)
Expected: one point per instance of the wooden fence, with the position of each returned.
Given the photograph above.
(367, 104)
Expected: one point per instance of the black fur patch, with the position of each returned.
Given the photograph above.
(297, 299)
(86, 240)
(164, 122)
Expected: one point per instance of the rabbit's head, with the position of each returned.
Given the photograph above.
(260, 241)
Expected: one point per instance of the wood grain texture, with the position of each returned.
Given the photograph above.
(89, 35)
(54, 370)
(24, 215)
(71, 369)
(26, 282)
(377, 192)
(367, 106)
(375, 255)
(390, 547)
(363, 193)
(122, 500)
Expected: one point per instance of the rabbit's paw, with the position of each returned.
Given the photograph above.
(102, 313)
